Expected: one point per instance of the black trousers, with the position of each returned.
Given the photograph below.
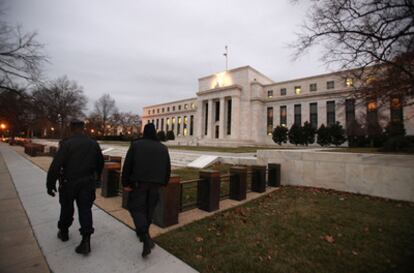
(142, 201)
(83, 192)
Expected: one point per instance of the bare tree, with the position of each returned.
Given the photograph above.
(375, 36)
(127, 122)
(105, 107)
(20, 56)
(16, 108)
(60, 100)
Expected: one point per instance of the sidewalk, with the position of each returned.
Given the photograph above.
(115, 247)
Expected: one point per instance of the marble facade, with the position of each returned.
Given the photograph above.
(236, 107)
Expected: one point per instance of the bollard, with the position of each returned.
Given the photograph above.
(259, 178)
(110, 179)
(238, 183)
(208, 190)
(168, 207)
(274, 175)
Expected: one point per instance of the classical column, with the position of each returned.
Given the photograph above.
(210, 133)
(235, 117)
(199, 120)
(221, 122)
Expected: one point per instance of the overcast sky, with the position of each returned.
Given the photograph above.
(148, 52)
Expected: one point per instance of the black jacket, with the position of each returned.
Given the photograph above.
(78, 156)
(148, 161)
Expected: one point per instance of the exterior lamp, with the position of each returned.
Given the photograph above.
(3, 126)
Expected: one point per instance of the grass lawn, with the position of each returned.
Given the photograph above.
(370, 150)
(301, 230)
(207, 148)
(228, 149)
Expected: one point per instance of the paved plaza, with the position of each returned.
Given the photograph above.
(30, 231)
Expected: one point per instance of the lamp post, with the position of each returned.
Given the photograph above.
(2, 127)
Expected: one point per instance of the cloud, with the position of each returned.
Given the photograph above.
(147, 52)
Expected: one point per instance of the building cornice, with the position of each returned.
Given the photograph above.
(169, 103)
(219, 89)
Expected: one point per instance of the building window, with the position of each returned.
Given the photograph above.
(185, 106)
(148, 121)
(168, 109)
(153, 111)
(313, 114)
(283, 91)
(193, 106)
(396, 109)
(269, 120)
(298, 114)
(372, 112)
(162, 110)
(206, 119)
(313, 87)
(168, 124)
(178, 126)
(283, 115)
(349, 82)
(298, 90)
(179, 107)
(330, 85)
(229, 117)
(217, 131)
(162, 124)
(349, 111)
(173, 108)
(152, 121)
(217, 113)
(270, 93)
(185, 130)
(156, 124)
(191, 125)
(330, 113)
(158, 111)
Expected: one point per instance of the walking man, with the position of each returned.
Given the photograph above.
(77, 164)
(146, 168)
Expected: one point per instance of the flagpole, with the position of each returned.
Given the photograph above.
(226, 55)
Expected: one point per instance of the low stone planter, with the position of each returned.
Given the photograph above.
(33, 149)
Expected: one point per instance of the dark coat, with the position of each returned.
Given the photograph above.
(147, 161)
(78, 156)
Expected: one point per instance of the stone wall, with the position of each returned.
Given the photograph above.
(383, 175)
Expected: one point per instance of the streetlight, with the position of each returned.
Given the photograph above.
(2, 127)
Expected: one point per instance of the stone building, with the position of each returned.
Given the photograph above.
(241, 106)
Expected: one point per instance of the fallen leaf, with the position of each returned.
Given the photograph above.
(354, 252)
(199, 257)
(199, 239)
(329, 239)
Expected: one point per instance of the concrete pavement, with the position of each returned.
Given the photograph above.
(115, 247)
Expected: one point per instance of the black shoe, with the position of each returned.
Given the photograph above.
(85, 245)
(148, 245)
(63, 235)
